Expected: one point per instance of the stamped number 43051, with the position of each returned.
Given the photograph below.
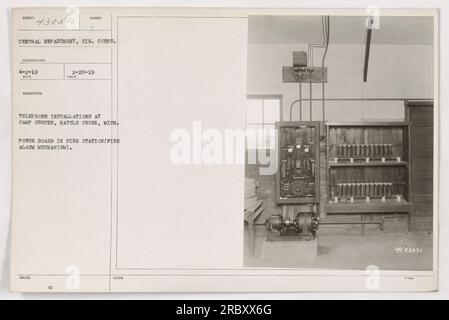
(407, 250)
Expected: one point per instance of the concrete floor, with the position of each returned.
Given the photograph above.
(343, 247)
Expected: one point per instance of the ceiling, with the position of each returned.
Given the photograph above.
(343, 30)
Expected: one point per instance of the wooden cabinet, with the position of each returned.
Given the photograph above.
(368, 166)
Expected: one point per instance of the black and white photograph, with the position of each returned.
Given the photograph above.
(261, 150)
(339, 171)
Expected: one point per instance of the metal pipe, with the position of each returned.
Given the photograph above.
(310, 99)
(350, 223)
(367, 99)
(323, 104)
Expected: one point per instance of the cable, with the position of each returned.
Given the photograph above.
(322, 65)
(317, 45)
(300, 101)
(324, 25)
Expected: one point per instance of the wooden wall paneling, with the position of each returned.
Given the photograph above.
(421, 118)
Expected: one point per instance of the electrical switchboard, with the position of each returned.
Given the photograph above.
(297, 178)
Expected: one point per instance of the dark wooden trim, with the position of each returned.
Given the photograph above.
(367, 49)
(368, 124)
(374, 206)
(418, 103)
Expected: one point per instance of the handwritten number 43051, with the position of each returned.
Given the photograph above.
(54, 21)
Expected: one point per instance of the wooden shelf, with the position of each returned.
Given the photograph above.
(368, 164)
(375, 205)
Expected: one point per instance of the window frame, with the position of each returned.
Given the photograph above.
(263, 124)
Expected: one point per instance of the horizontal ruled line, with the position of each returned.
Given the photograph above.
(65, 79)
(59, 30)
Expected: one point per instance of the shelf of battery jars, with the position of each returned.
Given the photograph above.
(366, 155)
(347, 190)
(367, 162)
(367, 197)
(364, 152)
